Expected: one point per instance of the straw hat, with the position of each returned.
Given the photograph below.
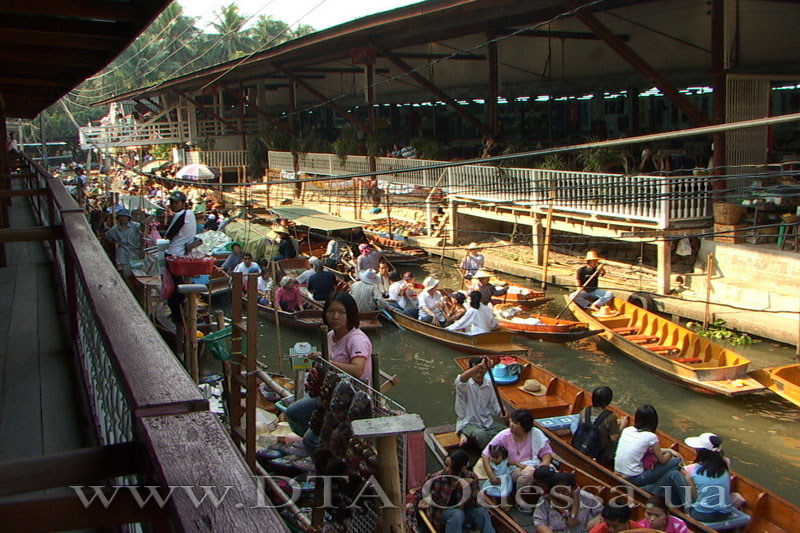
(369, 276)
(591, 255)
(532, 386)
(605, 312)
(473, 246)
(481, 274)
(430, 282)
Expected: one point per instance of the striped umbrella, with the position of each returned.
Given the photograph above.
(197, 172)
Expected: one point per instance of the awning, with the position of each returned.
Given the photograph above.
(253, 238)
(303, 216)
(133, 203)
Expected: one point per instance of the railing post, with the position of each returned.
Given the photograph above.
(664, 204)
(72, 299)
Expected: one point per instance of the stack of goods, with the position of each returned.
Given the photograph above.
(400, 229)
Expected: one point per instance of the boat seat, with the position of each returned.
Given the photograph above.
(738, 519)
(557, 423)
(661, 348)
(642, 339)
(689, 360)
(449, 441)
(626, 330)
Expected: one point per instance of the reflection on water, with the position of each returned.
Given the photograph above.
(761, 432)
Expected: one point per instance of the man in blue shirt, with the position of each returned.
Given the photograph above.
(322, 283)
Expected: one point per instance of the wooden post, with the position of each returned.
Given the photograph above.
(250, 369)
(709, 273)
(537, 238)
(385, 430)
(275, 305)
(664, 266)
(548, 233)
(191, 337)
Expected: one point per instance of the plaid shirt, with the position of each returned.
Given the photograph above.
(443, 488)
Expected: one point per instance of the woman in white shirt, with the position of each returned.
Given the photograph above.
(478, 318)
(430, 303)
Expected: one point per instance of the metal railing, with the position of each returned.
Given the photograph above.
(657, 200)
(133, 134)
(137, 389)
(218, 158)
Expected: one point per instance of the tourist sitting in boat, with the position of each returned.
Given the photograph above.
(368, 258)
(609, 429)
(366, 293)
(527, 448)
(657, 517)
(476, 405)
(710, 480)
(615, 519)
(349, 350)
(431, 307)
(478, 318)
(286, 249)
(480, 283)
(588, 295)
(233, 259)
(383, 278)
(454, 306)
(502, 470)
(403, 295)
(472, 262)
(444, 501)
(564, 507)
(640, 459)
(322, 284)
(247, 267)
(303, 278)
(333, 254)
(288, 295)
(265, 286)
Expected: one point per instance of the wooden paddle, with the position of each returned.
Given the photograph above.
(391, 319)
(494, 386)
(572, 298)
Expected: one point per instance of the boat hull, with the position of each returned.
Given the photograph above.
(695, 361)
(550, 330)
(783, 381)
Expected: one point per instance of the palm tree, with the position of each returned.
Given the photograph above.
(302, 29)
(233, 39)
(270, 31)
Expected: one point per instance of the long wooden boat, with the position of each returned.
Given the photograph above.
(518, 295)
(494, 342)
(671, 349)
(312, 318)
(556, 410)
(782, 380)
(549, 329)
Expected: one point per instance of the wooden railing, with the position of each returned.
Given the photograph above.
(657, 200)
(218, 158)
(133, 134)
(140, 396)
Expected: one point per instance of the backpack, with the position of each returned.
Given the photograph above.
(587, 437)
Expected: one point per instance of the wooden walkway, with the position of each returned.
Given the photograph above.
(40, 409)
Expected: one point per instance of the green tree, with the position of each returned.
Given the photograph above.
(269, 31)
(233, 39)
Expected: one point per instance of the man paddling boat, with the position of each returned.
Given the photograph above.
(588, 295)
(476, 405)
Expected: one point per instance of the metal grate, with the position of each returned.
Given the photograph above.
(745, 99)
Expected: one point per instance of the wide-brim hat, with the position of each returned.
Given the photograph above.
(702, 442)
(591, 255)
(369, 276)
(482, 274)
(605, 312)
(430, 282)
(473, 246)
(534, 387)
(501, 375)
(123, 213)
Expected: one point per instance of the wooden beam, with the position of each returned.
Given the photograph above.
(272, 118)
(637, 62)
(20, 176)
(491, 100)
(330, 103)
(14, 193)
(720, 88)
(207, 110)
(32, 80)
(425, 55)
(105, 44)
(337, 70)
(431, 88)
(579, 35)
(68, 468)
(40, 233)
(66, 29)
(89, 9)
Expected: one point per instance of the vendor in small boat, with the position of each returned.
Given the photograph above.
(322, 284)
(233, 259)
(265, 286)
(403, 295)
(247, 267)
(333, 254)
(431, 306)
(478, 319)
(303, 278)
(366, 293)
(368, 258)
(480, 283)
(286, 248)
(588, 295)
(527, 446)
(476, 404)
(349, 350)
(472, 262)
(288, 295)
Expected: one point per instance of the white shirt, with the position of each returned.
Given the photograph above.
(475, 321)
(303, 278)
(244, 269)
(475, 404)
(394, 293)
(426, 299)
(631, 447)
(265, 285)
(177, 246)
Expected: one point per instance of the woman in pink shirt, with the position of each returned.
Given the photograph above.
(288, 296)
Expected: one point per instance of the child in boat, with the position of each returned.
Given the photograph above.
(265, 286)
(614, 519)
(454, 306)
(710, 480)
(502, 471)
(657, 517)
(564, 507)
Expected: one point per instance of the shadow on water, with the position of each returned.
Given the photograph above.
(761, 432)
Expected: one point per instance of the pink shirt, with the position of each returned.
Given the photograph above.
(518, 451)
(291, 297)
(354, 344)
(674, 525)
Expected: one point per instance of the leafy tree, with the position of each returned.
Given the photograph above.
(234, 40)
(270, 31)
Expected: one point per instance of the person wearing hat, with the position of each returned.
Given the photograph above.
(472, 262)
(181, 233)
(286, 249)
(288, 295)
(478, 319)
(233, 259)
(368, 258)
(480, 283)
(126, 234)
(212, 222)
(431, 306)
(303, 278)
(476, 406)
(366, 293)
(588, 295)
(710, 480)
(403, 294)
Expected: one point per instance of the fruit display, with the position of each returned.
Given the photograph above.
(401, 229)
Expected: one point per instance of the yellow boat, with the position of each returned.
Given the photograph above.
(782, 380)
(671, 349)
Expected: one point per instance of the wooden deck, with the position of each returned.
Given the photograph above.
(40, 410)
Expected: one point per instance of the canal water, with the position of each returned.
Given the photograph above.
(761, 432)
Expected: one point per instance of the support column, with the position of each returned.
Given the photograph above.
(718, 82)
(633, 98)
(369, 97)
(664, 265)
(491, 100)
(298, 188)
(537, 240)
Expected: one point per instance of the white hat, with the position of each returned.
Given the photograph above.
(481, 274)
(591, 255)
(369, 276)
(430, 282)
(702, 442)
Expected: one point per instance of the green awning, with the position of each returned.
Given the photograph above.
(253, 238)
(303, 216)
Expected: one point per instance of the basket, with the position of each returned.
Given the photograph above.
(725, 213)
(216, 345)
(186, 266)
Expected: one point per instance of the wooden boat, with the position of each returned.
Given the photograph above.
(549, 329)
(556, 410)
(397, 252)
(294, 266)
(783, 381)
(312, 318)
(517, 294)
(671, 349)
(494, 342)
